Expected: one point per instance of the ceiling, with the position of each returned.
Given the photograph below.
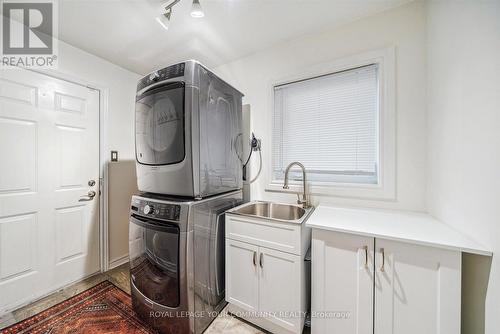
(126, 33)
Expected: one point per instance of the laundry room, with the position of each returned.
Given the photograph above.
(250, 166)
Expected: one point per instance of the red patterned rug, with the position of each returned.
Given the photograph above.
(101, 309)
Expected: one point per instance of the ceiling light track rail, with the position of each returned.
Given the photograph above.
(164, 18)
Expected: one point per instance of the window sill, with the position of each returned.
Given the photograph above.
(347, 190)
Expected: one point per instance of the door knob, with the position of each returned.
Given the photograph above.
(90, 196)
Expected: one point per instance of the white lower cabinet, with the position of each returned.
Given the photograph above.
(280, 288)
(417, 289)
(342, 283)
(242, 285)
(266, 286)
(372, 285)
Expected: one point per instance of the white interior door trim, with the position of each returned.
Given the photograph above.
(103, 151)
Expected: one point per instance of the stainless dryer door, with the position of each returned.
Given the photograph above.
(159, 125)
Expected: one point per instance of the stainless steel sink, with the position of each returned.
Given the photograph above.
(274, 211)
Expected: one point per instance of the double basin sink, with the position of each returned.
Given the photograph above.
(274, 211)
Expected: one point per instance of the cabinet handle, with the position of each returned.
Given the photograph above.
(382, 269)
(365, 248)
(261, 260)
(254, 258)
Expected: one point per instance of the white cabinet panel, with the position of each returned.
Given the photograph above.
(417, 289)
(280, 287)
(281, 236)
(342, 283)
(242, 280)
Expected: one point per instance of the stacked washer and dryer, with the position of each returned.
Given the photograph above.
(188, 137)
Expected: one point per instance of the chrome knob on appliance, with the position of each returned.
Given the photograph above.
(154, 76)
(148, 209)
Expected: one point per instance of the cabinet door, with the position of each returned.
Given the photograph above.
(280, 288)
(242, 280)
(417, 289)
(342, 283)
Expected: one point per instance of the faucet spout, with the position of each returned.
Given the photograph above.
(304, 201)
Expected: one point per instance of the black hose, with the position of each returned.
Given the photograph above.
(245, 165)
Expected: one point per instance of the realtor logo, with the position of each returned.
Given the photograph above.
(28, 34)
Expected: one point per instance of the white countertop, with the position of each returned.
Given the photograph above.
(417, 228)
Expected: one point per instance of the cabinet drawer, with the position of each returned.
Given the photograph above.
(280, 236)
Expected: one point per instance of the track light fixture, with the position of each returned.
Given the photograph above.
(164, 18)
(196, 10)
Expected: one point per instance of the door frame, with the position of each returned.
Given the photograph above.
(103, 91)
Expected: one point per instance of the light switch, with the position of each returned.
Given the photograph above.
(114, 155)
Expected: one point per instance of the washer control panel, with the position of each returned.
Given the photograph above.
(157, 210)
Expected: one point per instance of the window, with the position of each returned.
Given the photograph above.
(330, 124)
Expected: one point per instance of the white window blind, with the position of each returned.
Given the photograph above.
(330, 124)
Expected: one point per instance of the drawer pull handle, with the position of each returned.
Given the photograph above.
(254, 258)
(382, 267)
(261, 260)
(365, 248)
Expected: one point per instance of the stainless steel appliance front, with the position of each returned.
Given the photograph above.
(188, 132)
(177, 260)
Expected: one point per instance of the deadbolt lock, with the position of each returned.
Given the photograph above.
(91, 183)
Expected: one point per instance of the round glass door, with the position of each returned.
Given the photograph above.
(160, 125)
(154, 261)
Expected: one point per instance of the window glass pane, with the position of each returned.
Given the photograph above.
(330, 124)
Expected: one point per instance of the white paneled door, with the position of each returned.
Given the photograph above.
(49, 172)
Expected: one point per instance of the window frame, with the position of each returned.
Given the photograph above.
(386, 187)
(333, 176)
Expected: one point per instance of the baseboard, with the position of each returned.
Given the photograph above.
(44, 293)
(118, 262)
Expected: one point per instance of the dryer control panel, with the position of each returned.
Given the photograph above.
(166, 73)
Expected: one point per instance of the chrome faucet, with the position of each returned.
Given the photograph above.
(304, 201)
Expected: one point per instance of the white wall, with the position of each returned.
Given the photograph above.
(464, 130)
(404, 28)
(121, 85)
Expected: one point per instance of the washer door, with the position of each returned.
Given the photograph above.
(154, 260)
